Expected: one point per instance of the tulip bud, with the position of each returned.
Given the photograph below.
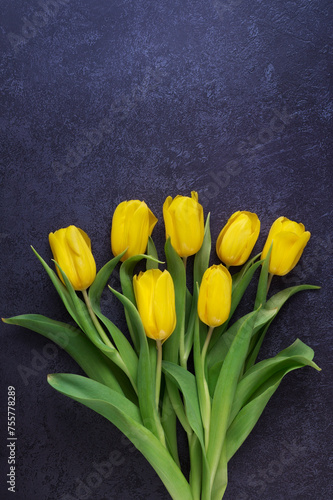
(237, 239)
(214, 300)
(289, 240)
(71, 248)
(132, 224)
(184, 223)
(155, 298)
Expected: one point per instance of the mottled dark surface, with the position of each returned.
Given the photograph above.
(105, 101)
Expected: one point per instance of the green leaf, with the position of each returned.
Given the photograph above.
(216, 357)
(152, 252)
(238, 276)
(298, 354)
(263, 281)
(102, 277)
(169, 423)
(78, 346)
(270, 372)
(126, 417)
(90, 330)
(200, 377)
(185, 381)
(61, 289)
(85, 321)
(225, 390)
(266, 316)
(201, 259)
(125, 349)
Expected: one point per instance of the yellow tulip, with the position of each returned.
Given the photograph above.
(132, 224)
(71, 248)
(237, 239)
(289, 240)
(214, 300)
(184, 223)
(155, 298)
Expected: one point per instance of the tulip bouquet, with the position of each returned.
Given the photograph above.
(183, 358)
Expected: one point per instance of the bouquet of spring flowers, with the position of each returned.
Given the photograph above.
(141, 382)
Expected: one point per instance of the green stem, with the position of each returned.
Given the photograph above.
(196, 464)
(182, 350)
(97, 324)
(207, 402)
(206, 344)
(158, 372)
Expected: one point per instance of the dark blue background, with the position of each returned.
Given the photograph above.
(104, 101)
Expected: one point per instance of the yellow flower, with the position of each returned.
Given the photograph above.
(289, 240)
(184, 223)
(71, 248)
(155, 298)
(214, 300)
(237, 239)
(132, 224)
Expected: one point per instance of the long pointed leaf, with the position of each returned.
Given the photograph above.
(152, 252)
(186, 383)
(75, 343)
(298, 354)
(126, 417)
(201, 259)
(125, 349)
(97, 287)
(61, 289)
(263, 280)
(225, 390)
(246, 419)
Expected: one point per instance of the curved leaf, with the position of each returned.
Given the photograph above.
(152, 252)
(98, 285)
(185, 381)
(61, 289)
(124, 415)
(298, 354)
(225, 390)
(75, 343)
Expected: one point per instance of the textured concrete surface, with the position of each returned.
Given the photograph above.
(104, 101)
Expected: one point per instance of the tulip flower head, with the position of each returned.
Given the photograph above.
(184, 223)
(214, 300)
(237, 239)
(71, 248)
(289, 239)
(155, 298)
(132, 224)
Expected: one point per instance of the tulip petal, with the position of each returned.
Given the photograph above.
(184, 223)
(238, 237)
(118, 233)
(132, 224)
(164, 306)
(214, 300)
(138, 231)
